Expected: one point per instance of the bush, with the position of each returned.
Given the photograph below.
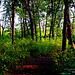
(12, 56)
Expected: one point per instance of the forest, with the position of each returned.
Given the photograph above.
(37, 37)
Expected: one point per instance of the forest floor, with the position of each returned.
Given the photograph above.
(35, 66)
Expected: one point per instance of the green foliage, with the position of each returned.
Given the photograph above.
(12, 56)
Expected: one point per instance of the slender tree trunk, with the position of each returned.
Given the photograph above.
(73, 19)
(35, 27)
(40, 30)
(50, 33)
(69, 30)
(64, 29)
(0, 30)
(32, 26)
(34, 19)
(13, 21)
(25, 28)
(21, 28)
(45, 27)
(52, 25)
(10, 29)
(31, 19)
(58, 29)
(52, 22)
(35, 30)
(39, 25)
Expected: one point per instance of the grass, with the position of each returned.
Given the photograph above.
(13, 56)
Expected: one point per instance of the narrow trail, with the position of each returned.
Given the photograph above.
(42, 66)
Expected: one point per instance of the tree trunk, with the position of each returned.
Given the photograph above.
(21, 28)
(10, 29)
(35, 30)
(64, 29)
(2, 31)
(39, 25)
(52, 22)
(52, 28)
(13, 21)
(35, 27)
(45, 27)
(40, 30)
(50, 33)
(73, 19)
(27, 29)
(24, 28)
(32, 26)
(34, 18)
(69, 30)
(31, 19)
(58, 29)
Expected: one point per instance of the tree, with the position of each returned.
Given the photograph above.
(67, 24)
(21, 27)
(31, 19)
(39, 24)
(24, 27)
(13, 21)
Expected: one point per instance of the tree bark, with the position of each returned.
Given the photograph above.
(2, 31)
(32, 26)
(69, 30)
(52, 22)
(24, 28)
(52, 25)
(35, 25)
(27, 29)
(64, 29)
(50, 33)
(67, 27)
(58, 29)
(35, 28)
(73, 18)
(45, 27)
(21, 28)
(13, 21)
(40, 30)
(39, 25)
(31, 19)
(10, 29)
(34, 18)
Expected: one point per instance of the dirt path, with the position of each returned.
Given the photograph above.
(42, 66)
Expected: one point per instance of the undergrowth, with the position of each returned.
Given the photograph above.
(13, 56)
